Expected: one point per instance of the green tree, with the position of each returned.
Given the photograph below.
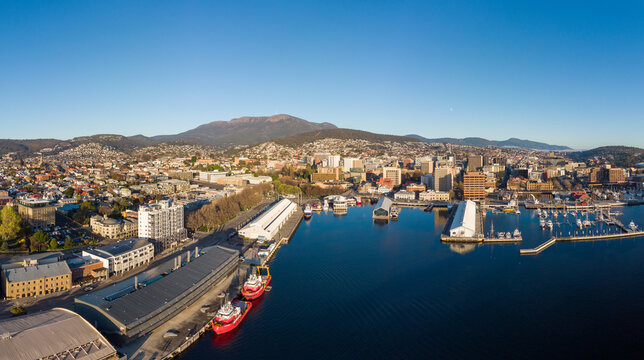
(69, 192)
(9, 223)
(53, 244)
(69, 243)
(4, 246)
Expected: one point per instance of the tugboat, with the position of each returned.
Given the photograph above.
(256, 284)
(229, 316)
(308, 212)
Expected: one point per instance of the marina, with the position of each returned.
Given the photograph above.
(340, 253)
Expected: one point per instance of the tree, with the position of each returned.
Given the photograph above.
(69, 192)
(10, 223)
(4, 246)
(69, 243)
(53, 244)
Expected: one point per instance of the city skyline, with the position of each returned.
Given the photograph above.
(438, 70)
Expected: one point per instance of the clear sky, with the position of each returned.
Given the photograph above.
(569, 73)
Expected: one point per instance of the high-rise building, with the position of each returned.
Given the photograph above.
(474, 162)
(162, 222)
(474, 186)
(333, 161)
(427, 166)
(392, 173)
(443, 179)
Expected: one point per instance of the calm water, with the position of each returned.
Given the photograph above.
(346, 288)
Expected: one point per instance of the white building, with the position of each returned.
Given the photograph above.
(348, 163)
(405, 195)
(431, 195)
(162, 221)
(333, 161)
(464, 223)
(270, 222)
(123, 256)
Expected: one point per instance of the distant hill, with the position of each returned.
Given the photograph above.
(118, 142)
(512, 142)
(348, 134)
(30, 146)
(246, 130)
(622, 156)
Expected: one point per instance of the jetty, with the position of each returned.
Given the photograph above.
(598, 237)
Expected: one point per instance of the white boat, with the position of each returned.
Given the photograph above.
(340, 204)
(308, 212)
(586, 222)
(579, 224)
(508, 235)
(517, 211)
(325, 207)
(632, 226)
(501, 235)
(542, 223)
(517, 233)
(549, 224)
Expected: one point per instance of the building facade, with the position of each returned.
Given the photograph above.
(393, 173)
(162, 222)
(114, 228)
(21, 282)
(474, 186)
(123, 256)
(38, 213)
(443, 178)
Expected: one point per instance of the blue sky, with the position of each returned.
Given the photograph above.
(568, 73)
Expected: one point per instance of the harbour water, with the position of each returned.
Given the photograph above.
(346, 288)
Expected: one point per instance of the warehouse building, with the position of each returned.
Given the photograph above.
(270, 222)
(33, 280)
(382, 209)
(464, 222)
(53, 334)
(131, 312)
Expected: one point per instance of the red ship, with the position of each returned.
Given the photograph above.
(256, 284)
(230, 315)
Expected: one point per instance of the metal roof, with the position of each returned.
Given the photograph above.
(118, 248)
(57, 333)
(139, 305)
(30, 273)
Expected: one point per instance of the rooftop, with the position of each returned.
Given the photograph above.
(119, 248)
(30, 273)
(56, 334)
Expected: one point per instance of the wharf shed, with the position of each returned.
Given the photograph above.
(270, 222)
(382, 209)
(53, 334)
(139, 311)
(464, 222)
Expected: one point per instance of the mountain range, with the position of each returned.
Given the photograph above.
(509, 143)
(248, 130)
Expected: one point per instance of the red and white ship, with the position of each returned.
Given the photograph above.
(230, 315)
(256, 284)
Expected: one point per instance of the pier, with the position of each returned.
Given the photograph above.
(539, 248)
(554, 240)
